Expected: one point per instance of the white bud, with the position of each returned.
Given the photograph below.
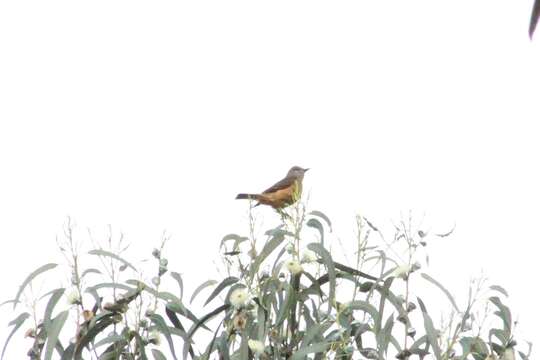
(401, 272)
(294, 266)
(73, 297)
(256, 346)
(308, 256)
(238, 297)
(154, 337)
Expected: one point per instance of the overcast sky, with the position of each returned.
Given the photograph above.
(152, 116)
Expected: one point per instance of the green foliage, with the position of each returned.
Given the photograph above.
(285, 296)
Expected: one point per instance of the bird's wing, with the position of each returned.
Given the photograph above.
(282, 184)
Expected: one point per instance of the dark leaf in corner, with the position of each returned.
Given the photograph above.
(535, 14)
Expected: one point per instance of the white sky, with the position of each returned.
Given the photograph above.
(152, 116)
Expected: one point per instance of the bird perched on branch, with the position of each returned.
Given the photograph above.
(283, 193)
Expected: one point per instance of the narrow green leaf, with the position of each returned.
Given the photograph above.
(419, 342)
(391, 297)
(268, 248)
(276, 267)
(237, 240)
(499, 289)
(164, 329)
(201, 288)
(504, 314)
(442, 288)
(384, 336)
(48, 293)
(327, 259)
(210, 348)
(500, 335)
(112, 338)
(207, 317)
(164, 295)
(182, 310)
(223, 346)
(528, 354)
(430, 331)
(225, 283)
(262, 316)
(176, 276)
(179, 333)
(395, 343)
(316, 224)
(68, 353)
(140, 345)
(109, 285)
(90, 271)
(8, 302)
(17, 322)
(315, 348)
(158, 355)
(244, 347)
(290, 300)
(101, 324)
(384, 294)
(53, 332)
(55, 297)
(113, 351)
(315, 331)
(368, 308)
(475, 346)
(448, 233)
(321, 215)
(180, 328)
(278, 231)
(31, 277)
(352, 271)
(106, 253)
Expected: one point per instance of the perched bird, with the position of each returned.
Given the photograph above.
(283, 193)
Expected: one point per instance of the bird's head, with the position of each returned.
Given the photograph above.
(297, 172)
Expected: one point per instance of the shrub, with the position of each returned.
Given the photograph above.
(283, 297)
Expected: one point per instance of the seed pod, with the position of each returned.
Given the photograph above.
(404, 354)
(369, 353)
(87, 315)
(239, 321)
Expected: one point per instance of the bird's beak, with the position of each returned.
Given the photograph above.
(306, 169)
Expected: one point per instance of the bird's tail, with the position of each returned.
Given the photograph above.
(248, 196)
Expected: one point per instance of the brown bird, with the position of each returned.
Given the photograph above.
(283, 193)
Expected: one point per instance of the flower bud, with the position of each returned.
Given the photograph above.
(256, 346)
(308, 256)
(294, 267)
(73, 297)
(238, 297)
(239, 321)
(154, 337)
(87, 315)
(411, 306)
